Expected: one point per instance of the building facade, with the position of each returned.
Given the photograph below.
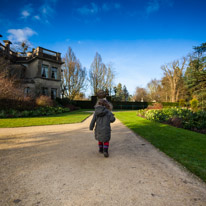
(39, 70)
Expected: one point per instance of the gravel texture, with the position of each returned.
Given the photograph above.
(59, 165)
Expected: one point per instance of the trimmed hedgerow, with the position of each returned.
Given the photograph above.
(185, 118)
(41, 111)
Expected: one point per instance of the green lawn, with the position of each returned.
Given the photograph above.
(186, 147)
(64, 118)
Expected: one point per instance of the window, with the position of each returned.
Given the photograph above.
(54, 73)
(26, 91)
(53, 93)
(45, 91)
(44, 71)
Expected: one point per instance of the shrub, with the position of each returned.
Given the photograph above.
(170, 104)
(155, 106)
(184, 118)
(182, 103)
(25, 113)
(141, 112)
(41, 111)
(194, 104)
(176, 121)
(2, 114)
(65, 102)
(44, 101)
(20, 104)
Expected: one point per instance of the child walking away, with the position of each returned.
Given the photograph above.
(102, 117)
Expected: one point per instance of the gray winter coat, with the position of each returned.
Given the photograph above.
(102, 117)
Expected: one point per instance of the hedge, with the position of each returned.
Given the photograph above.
(116, 104)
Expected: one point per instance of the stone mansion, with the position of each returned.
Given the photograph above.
(39, 70)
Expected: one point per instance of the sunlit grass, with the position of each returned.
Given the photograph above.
(186, 147)
(64, 118)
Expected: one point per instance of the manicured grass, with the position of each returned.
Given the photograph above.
(64, 118)
(186, 147)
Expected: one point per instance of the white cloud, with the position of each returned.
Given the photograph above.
(26, 11)
(37, 17)
(93, 8)
(19, 35)
(25, 14)
(47, 10)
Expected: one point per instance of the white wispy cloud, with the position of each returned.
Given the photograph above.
(37, 17)
(26, 11)
(19, 35)
(25, 14)
(46, 10)
(93, 8)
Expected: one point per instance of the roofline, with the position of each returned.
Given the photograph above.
(37, 57)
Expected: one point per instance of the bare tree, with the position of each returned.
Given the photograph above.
(165, 90)
(73, 75)
(80, 96)
(140, 95)
(174, 74)
(110, 78)
(100, 76)
(21, 47)
(4, 65)
(9, 86)
(154, 90)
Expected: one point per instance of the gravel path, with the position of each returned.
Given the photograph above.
(60, 166)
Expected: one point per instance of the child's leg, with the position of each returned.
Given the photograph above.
(100, 147)
(106, 146)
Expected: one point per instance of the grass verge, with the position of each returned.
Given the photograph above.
(64, 118)
(186, 147)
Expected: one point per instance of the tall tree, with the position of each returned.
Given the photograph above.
(174, 74)
(165, 90)
(80, 96)
(141, 95)
(100, 76)
(110, 78)
(154, 87)
(195, 75)
(73, 75)
(125, 94)
(118, 92)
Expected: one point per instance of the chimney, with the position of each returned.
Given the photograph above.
(7, 45)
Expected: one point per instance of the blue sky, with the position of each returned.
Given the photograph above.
(136, 36)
